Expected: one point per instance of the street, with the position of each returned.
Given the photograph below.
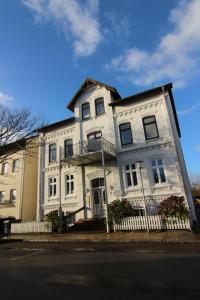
(99, 271)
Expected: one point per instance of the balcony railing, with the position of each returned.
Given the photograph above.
(87, 151)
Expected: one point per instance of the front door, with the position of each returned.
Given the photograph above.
(98, 195)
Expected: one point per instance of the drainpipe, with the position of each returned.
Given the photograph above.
(106, 193)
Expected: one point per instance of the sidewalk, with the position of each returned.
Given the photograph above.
(117, 237)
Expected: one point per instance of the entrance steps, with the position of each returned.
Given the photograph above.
(89, 225)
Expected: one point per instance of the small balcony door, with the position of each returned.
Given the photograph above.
(94, 141)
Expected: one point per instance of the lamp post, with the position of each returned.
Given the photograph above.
(139, 164)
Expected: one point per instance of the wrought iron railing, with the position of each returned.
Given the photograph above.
(87, 147)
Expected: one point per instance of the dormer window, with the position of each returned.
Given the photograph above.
(99, 106)
(86, 111)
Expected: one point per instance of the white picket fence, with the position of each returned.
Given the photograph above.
(154, 222)
(31, 227)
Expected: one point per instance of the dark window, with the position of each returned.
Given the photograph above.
(86, 111)
(99, 106)
(52, 152)
(68, 147)
(125, 133)
(150, 127)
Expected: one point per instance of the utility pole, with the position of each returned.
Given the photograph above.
(106, 194)
(139, 163)
(60, 203)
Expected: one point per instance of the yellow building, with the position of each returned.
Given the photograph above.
(18, 180)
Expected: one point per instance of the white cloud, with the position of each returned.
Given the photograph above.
(4, 98)
(77, 19)
(189, 110)
(176, 57)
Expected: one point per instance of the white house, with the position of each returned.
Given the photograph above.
(112, 148)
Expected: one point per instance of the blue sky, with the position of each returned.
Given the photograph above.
(48, 47)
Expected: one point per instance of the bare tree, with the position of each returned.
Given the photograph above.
(16, 125)
(195, 185)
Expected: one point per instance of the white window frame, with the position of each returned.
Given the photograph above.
(15, 165)
(156, 167)
(13, 195)
(70, 181)
(2, 196)
(4, 168)
(131, 171)
(52, 186)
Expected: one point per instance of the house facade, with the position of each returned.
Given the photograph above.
(112, 148)
(18, 180)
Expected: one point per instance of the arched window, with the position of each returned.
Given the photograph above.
(125, 134)
(86, 111)
(99, 106)
(150, 127)
(52, 152)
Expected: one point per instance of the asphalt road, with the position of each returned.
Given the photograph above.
(99, 271)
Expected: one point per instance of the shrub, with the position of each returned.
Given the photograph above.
(174, 207)
(119, 209)
(53, 218)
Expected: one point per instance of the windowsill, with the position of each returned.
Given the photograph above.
(70, 196)
(127, 145)
(52, 162)
(99, 115)
(87, 119)
(132, 189)
(153, 140)
(161, 186)
(52, 199)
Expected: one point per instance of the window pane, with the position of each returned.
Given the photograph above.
(52, 152)
(101, 181)
(68, 148)
(99, 103)
(153, 163)
(86, 110)
(72, 187)
(151, 131)
(162, 174)
(127, 168)
(160, 162)
(133, 166)
(155, 176)
(135, 182)
(128, 176)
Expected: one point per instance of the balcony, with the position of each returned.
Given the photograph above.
(88, 152)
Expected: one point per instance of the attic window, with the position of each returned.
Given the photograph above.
(86, 111)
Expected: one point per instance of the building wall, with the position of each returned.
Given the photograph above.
(24, 181)
(10, 181)
(164, 147)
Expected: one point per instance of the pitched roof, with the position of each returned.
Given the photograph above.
(88, 83)
(56, 124)
(149, 93)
